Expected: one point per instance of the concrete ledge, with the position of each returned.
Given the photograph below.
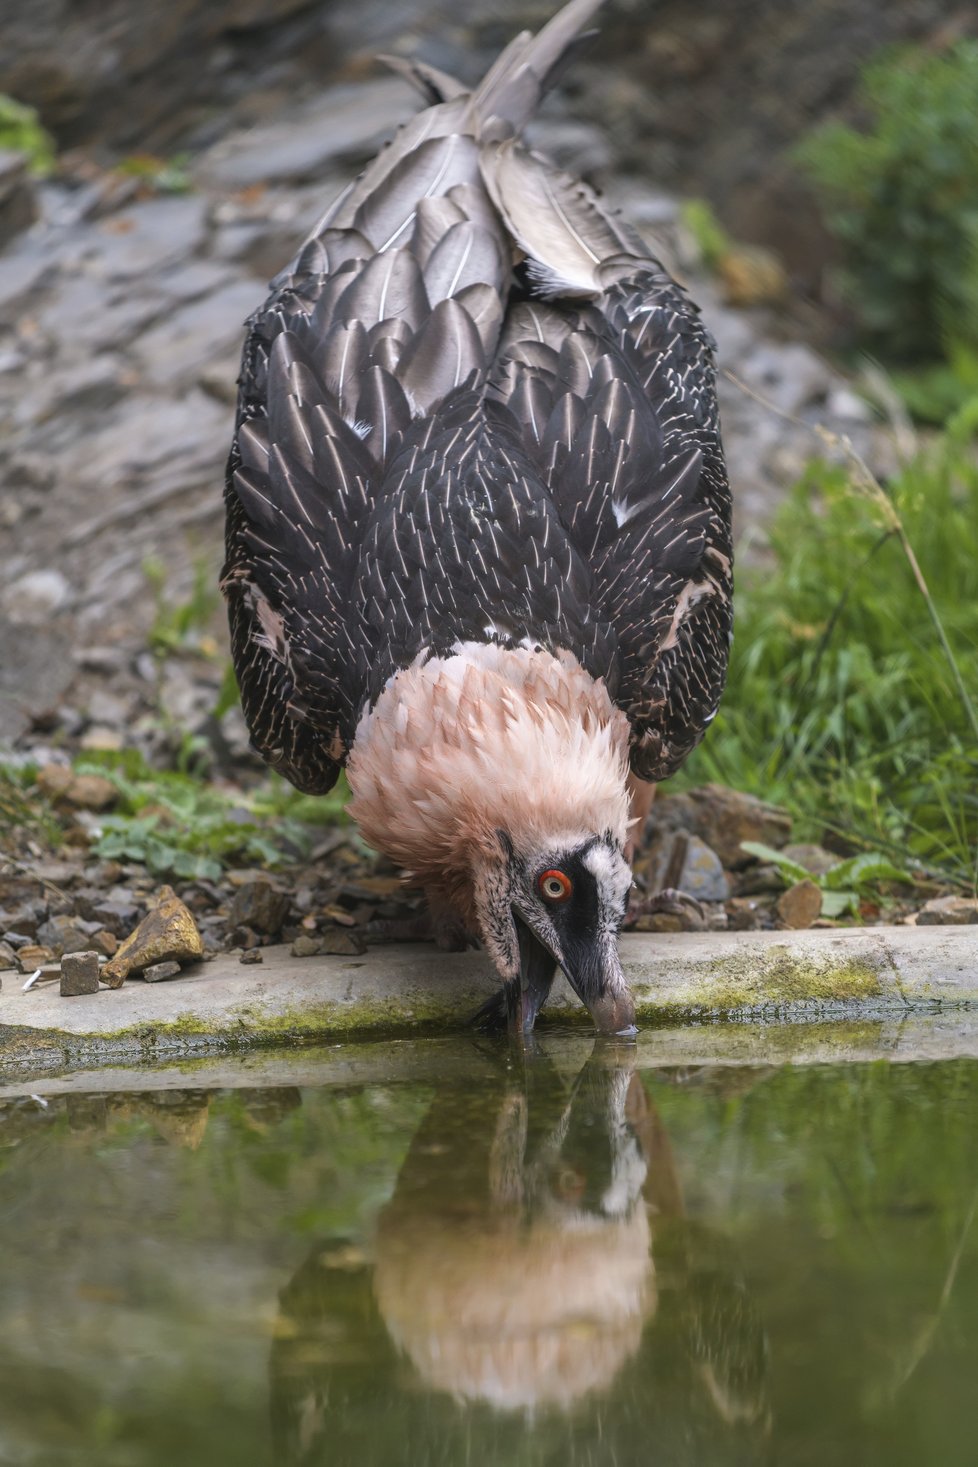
(797, 977)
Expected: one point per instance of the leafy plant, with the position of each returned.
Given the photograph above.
(176, 824)
(902, 198)
(842, 884)
(22, 132)
(854, 672)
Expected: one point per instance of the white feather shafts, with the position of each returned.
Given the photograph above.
(557, 220)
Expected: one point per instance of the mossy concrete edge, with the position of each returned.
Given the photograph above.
(222, 1006)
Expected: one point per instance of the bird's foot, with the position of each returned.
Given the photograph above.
(445, 931)
(685, 910)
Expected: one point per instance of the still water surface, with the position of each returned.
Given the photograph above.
(532, 1261)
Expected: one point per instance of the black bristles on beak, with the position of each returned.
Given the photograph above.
(522, 999)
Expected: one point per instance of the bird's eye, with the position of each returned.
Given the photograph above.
(554, 886)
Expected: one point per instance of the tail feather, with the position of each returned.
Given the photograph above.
(510, 92)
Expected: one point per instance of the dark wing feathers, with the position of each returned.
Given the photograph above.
(432, 447)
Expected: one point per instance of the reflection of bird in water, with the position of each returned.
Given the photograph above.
(478, 529)
(534, 1273)
(526, 1280)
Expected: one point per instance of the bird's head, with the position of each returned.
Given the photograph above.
(556, 902)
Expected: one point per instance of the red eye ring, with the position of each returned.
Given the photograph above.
(554, 887)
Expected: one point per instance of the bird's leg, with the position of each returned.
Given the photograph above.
(640, 797)
(439, 924)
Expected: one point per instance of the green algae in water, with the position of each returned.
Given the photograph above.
(532, 1261)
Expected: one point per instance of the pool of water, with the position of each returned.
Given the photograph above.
(561, 1258)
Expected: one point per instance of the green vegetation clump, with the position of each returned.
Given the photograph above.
(902, 198)
(852, 693)
(22, 132)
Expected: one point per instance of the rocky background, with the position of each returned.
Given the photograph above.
(197, 143)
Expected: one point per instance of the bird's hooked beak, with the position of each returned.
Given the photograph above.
(593, 969)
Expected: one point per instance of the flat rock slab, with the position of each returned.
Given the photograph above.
(867, 974)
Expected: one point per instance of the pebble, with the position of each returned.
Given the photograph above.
(260, 906)
(305, 947)
(251, 955)
(79, 974)
(800, 905)
(948, 911)
(159, 972)
(32, 956)
(341, 942)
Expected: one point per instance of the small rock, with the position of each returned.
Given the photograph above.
(166, 934)
(815, 859)
(91, 792)
(79, 974)
(744, 914)
(54, 779)
(800, 904)
(36, 596)
(685, 862)
(260, 906)
(661, 922)
(83, 791)
(159, 972)
(105, 942)
(251, 955)
(8, 958)
(65, 935)
(32, 956)
(305, 947)
(948, 911)
(341, 942)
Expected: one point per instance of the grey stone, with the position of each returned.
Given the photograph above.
(8, 958)
(341, 942)
(160, 972)
(305, 947)
(79, 974)
(66, 935)
(35, 597)
(815, 859)
(948, 911)
(260, 906)
(678, 859)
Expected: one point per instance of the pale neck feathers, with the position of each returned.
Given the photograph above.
(487, 739)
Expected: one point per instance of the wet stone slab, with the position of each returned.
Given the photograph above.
(864, 975)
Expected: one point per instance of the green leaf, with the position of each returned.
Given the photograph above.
(840, 904)
(864, 870)
(792, 870)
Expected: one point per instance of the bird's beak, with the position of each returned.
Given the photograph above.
(594, 972)
(526, 995)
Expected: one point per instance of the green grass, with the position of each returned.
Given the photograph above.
(843, 703)
(22, 132)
